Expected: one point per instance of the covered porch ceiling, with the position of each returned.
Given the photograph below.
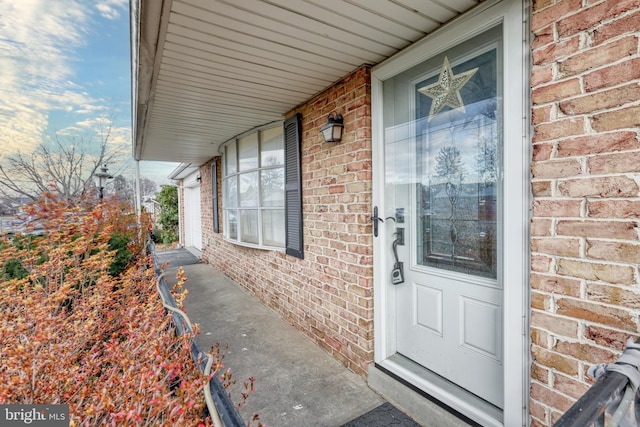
(205, 71)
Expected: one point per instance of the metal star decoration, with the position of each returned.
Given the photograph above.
(446, 91)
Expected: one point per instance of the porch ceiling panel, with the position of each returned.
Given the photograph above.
(208, 70)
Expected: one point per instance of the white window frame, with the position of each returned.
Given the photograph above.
(259, 208)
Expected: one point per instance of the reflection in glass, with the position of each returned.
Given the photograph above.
(248, 152)
(230, 159)
(249, 226)
(457, 178)
(232, 224)
(249, 190)
(273, 233)
(271, 147)
(231, 192)
(272, 187)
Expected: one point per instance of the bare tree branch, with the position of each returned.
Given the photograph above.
(65, 167)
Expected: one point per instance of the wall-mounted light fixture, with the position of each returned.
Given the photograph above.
(332, 131)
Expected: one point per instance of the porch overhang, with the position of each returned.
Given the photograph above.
(205, 71)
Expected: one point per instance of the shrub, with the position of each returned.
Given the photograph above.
(74, 331)
(168, 199)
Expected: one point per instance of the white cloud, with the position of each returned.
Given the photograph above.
(38, 50)
(35, 52)
(110, 9)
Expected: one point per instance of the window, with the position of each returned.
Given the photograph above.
(254, 189)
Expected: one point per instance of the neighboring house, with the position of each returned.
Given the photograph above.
(152, 206)
(498, 140)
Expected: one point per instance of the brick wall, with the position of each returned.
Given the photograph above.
(329, 294)
(585, 248)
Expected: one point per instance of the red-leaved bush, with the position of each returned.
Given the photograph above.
(73, 332)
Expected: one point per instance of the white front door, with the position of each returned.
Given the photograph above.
(445, 161)
(449, 149)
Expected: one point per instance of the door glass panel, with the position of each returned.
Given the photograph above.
(443, 144)
(458, 140)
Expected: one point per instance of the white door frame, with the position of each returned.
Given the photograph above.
(511, 13)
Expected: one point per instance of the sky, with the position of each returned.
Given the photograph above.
(65, 73)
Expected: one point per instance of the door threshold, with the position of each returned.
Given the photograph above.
(428, 398)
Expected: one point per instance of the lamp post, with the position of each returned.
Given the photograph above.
(101, 180)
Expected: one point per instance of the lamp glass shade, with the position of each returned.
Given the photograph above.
(332, 131)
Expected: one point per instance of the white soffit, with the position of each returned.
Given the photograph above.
(208, 70)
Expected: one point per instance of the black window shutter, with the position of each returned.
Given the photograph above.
(214, 191)
(293, 186)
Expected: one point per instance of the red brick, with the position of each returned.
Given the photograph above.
(626, 230)
(556, 208)
(540, 338)
(540, 263)
(613, 209)
(601, 55)
(541, 75)
(596, 144)
(551, 14)
(614, 163)
(556, 246)
(540, 227)
(540, 373)
(541, 188)
(542, 114)
(613, 251)
(539, 413)
(558, 129)
(555, 284)
(613, 75)
(555, 324)
(540, 301)
(556, 169)
(592, 16)
(595, 313)
(625, 25)
(554, 360)
(609, 338)
(613, 295)
(542, 37)
(542, 152)
(619, 119)
(585, 352)
(596, 271)
(602, 100)
(541, 4)
(607, 186)
(569, 386)
(556, 91)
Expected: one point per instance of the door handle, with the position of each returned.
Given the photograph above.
(397, 273)
(375, 218)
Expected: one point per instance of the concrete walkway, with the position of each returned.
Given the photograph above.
(297, 383)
